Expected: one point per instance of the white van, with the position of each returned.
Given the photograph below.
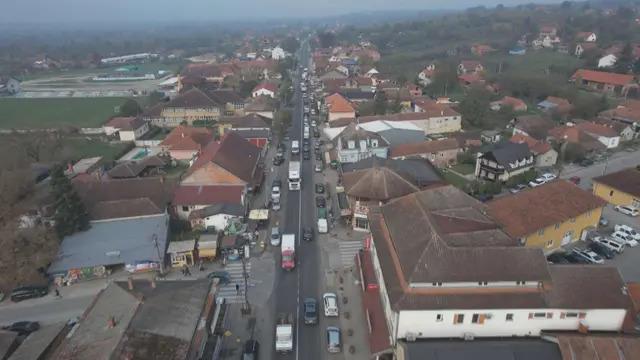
(323, 226)
(610, 243)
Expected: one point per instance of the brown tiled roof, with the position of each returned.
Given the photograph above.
(425, 147)
(353, 132)
(603, 77)
(433, 109)
(470, 64)
(627, 181)
(260, 103)
(124, 208)
(233, 153)
(597, 129)
(618, 126)
(133, 168)
(208, 195)
(528, 211)
(193, 98)
(125, 123)
(534, 125)
(337, 104)
(267, 86)
(378, 183)
(222, 97)
(247, 121)
(573, 134)
(187, 138)
(537, 147)
(201, 71)
(515, 103)
(597, 346)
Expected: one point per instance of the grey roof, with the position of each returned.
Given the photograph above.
(113, 242)
(357, 94)
(252, 134)
(481, 350)
(402, 136)
(420, 170)
(38, 342)
(219, 208)
(508, 152)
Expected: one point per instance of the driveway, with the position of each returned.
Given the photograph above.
(616, 162)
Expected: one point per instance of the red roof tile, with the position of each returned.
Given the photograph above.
(338, 103)
(187, 138)
(425, 147)
(208, 195)
(603, 77)
(233, 153)
(125, 123)
(536, 146)
(267, 86)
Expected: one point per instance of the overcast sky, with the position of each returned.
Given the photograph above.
(56, 11)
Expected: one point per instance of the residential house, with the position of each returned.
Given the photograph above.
(184, 142)
(576, 136)
(607, 136)
(182, 253)
(624, 130)
(192, 105)
(371, 72)
(228, 100)
(277, 53)
(143, 319)
(556, 105)
(471, 79)
(372, 187)
(426, 75)
(581, 48)
(491, 136)
(525, 216)
(147, 166)
(212, 73)
(545, 155)
(414, 90)
(607, 61)
(548, 30)
(252, 127)
(441, 117)
(620, 187)
(448, 349)
(361, 83)
(422, 172)
(534, 126)
(262, 105)
(339, 107)
(354, 144)
(266, 89)
(190, 199)
(332, 74)
(515, 104)
(610, 83)
(9, 86)
(586, 36)
(440, 153)
(216, 217)
(470, 67)
(133, 244)
(628, 112)
(437, 266)
(503, 161)
(481, 49)
(394, 133)
(127, 128)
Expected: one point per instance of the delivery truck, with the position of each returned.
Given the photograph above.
(288, 250)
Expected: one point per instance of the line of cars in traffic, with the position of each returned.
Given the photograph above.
(599, 247)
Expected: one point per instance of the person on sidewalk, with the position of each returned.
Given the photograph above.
(237, 289)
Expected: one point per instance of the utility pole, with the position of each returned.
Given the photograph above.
(246, 307)
(154, 238)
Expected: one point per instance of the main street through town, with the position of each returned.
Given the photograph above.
(298, 212)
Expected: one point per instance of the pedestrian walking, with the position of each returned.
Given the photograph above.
(57, 292)
(237, 289)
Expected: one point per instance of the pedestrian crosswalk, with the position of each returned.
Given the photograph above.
(229, 291)
(348, 251)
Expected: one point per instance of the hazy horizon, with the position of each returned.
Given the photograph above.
(126, 11)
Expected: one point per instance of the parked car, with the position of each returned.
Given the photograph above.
(320, 201)
(557, 258)
(251, 350)
(307, 234)
(484, 197)
(223, 277)
(548, 176)
(310, 311)
(516, 189)
(23, 327)
(330, 301)
(575, 180)
(318, 167)
(319, 189)
(537, 182)
(627, 230)
(28, 292)
(306, 155)
(610, 243)
(275, 205)
(278, 160)
(334, 344)
(624, 238)
(590, 256)
(602, 250)
(627, 210)
(275, 236)
(603, 222)
(586, 162)
(574, 258)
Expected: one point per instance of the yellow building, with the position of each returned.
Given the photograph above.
(549, 216)
(619, 188)
(182, 253)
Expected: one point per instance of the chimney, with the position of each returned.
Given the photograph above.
(153, 282)
(130, 283)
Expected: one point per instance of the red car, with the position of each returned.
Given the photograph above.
(575, 179)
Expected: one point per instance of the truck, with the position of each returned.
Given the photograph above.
(294, 175)
(295, 147)
(284, 333)
(323, 226)
(306, 132)
(288, 251)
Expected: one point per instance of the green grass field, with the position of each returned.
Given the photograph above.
(142, 68)
(534, 62)
(78, 148)
(55, 113)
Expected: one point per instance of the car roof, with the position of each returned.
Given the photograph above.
(329, 294)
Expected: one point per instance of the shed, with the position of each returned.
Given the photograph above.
(182, 252)
(207, 246)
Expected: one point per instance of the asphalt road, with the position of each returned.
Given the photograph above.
(299, 212)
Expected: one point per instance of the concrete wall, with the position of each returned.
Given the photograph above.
(613, 196)
(551, 237)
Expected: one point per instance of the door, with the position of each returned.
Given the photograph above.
(567, 237)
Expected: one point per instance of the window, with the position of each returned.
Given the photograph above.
(611, 193)
(458, 318)
(571, 314)
(549, 243)
(541, 232)
(482, 283)
(521, 283)
(557, 226)
(538, 315)
(475, 318)
(439, 318)
(185, 208)
(509, 317)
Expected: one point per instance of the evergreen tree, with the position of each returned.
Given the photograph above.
(70, 214)
(380, 103)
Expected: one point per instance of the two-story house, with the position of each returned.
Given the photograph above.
(526, 215)
(184, 142)
(127, 128)
(437, 266)
(339, 107)
(354, 144)
(503, 161)
(620, 187)
(252, 127)
(546, 156)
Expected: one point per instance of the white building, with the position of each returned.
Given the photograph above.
(278, 53)
(216, 217)
(354, 144)
(127, 128)
(607, 61)
(438, 267)
(128, 58)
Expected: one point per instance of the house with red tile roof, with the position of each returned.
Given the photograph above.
(555, 104)
(606, 82)
(481, 49)
(440, 153)
(442, 118)
(609, 137)
(127, 128)
(339, 107)
(544, 153)
(184, 142)
(515, 104)
(470, 67)
(188, 199)
(265, 88)
(586, 36)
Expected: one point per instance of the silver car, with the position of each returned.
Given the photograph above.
(334, 342)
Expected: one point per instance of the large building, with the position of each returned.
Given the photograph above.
(439, 267)
(619, 188)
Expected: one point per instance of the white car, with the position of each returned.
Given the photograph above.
(537, 182)
(275, 193)
(330, 301)
(610, 243)
(314, 123)
(624, 238)
(627, 210)
(275, 236)
(591, 256)
(548, 177)
(627, 230)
